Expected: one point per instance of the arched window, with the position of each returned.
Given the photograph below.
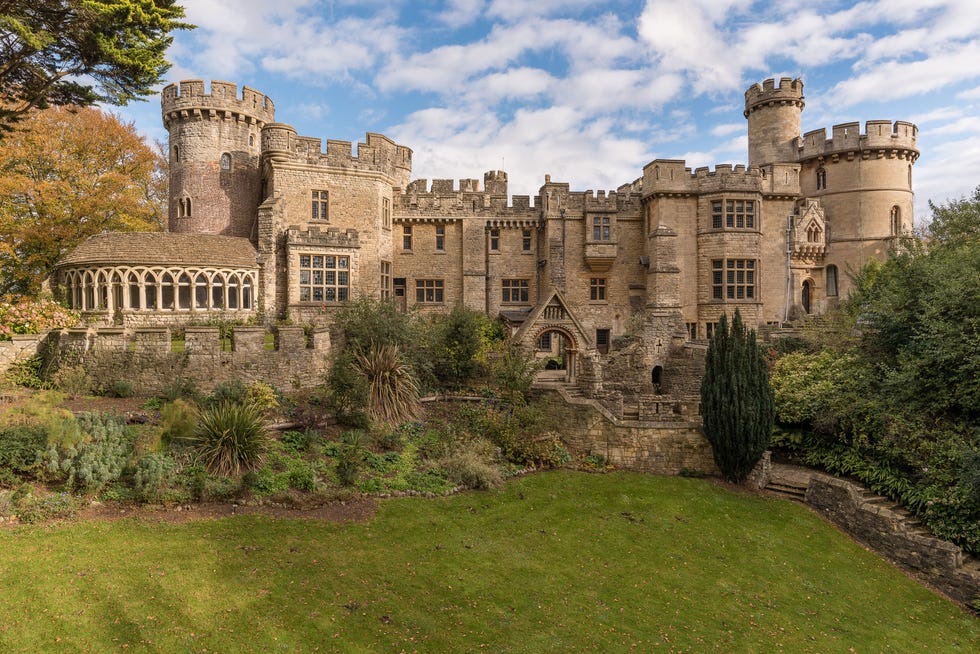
(134, 291)
(232, 291)
(225, 161)
(201, 291)
(896, 220)
(657, 378)
(167, 292)
(218, 291)
(821, 178)
(831, 281)
(247, 293)
(150, 290)
(176, 153)
(251, 140)
(187, 204)
(184, 291)
(805, 295)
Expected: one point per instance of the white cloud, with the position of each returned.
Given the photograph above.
(460, 13)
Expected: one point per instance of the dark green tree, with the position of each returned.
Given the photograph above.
(736, 400)
(455, 346)
(81, 52)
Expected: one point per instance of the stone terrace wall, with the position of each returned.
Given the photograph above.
(145, 357)
(941, 563)
(666, 448)
(21, 347)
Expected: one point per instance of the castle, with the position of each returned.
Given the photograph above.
(264, 222)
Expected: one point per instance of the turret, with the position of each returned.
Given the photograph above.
(214, 156)
(774, 120)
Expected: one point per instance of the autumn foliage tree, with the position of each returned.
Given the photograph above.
(66, 174)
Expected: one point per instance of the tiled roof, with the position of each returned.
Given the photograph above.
(156, 248)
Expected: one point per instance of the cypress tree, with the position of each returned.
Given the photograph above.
(737, 407)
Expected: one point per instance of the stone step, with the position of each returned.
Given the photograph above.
(787, 489)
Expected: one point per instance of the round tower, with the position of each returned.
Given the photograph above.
(215, 143)
(774, 120)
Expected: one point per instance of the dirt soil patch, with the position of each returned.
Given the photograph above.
(357, 510)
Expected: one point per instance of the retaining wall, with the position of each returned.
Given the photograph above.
(147, 358)
(886, 531)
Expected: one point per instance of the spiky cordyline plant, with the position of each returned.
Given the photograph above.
(393, 395)
(231, 438)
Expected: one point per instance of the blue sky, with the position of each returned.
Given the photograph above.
(589, 92)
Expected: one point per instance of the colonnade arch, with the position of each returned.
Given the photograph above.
(159, 288)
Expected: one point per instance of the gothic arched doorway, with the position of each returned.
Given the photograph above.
(805, 295)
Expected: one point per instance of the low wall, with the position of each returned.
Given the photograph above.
(666, 448)
(146, 358)
(941, 563)
(23, 346)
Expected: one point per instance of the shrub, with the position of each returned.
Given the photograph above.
(178, 420)
(472, 465)
(20, 445)
(736, 399)
(299, 441)
(96, 459)
(33, 316)
(350, 457)
(29, 373)
(393, 391)
(228, 391)
(31, 508)
(180, 388)
(120, 388)
(513, 370)
(230, 438)
(262, 395)
(152, 474)
(348, 392)
(74, 381)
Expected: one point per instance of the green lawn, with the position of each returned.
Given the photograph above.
(556, 562)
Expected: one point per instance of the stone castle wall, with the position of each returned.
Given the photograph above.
(146, 357)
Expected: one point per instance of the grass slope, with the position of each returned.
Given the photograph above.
(556, 562)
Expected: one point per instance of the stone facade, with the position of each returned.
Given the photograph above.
(659, 259)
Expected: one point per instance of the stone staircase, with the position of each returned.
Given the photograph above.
(790, 482)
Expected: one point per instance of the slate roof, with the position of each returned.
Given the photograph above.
(163, 248)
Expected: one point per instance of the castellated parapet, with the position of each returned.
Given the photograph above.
(377, 153)
(190, 98)
(788, 93)
(671, 177)
(891, 139)
(463, 197)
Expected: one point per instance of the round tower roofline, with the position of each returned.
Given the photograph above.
(768, 94)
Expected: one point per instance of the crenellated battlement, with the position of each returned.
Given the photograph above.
(377, 152)
(767, 94)
(671, 176)
(899, 138)
(463, 197)
(191, 99)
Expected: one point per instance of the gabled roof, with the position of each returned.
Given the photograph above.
(163, 248)
(568, 320)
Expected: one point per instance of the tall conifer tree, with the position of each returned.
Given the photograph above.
(736, 399)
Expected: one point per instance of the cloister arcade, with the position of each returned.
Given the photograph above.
(159, 289)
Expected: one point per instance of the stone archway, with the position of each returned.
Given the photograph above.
(557, 350)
